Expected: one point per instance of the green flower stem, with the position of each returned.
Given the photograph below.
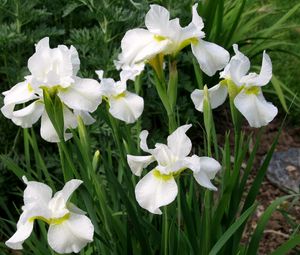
(26, 149)
(165, 231)
(39, 159)
(233, 90)
(198, 73)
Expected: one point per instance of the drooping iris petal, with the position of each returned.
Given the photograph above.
(22, 233)
(204, 169)
(217, 96)
(48, 132)
(18, 94)
(85, 116)
(211, 57)
(255, 108)
(138, 163)
(29, 115)
(179, 143)
(84, 95)
(127, 107)
(71, 235)
(154, 191)
(263, 77)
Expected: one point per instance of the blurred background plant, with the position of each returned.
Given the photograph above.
(95, 28)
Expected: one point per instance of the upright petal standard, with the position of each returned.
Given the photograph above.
(158, 187)
(69, 229)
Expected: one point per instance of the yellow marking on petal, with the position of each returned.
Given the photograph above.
(164, 177)
(159, 38)
(233, 89)
(252, 91)
(186, 42)
(51, 221)
(29, 87)
(223, 82)
(119, 96)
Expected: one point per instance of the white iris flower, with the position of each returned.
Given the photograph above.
(248, 96)
(166, 36)
(54, 70)
(69, 229)
(158, 187)
(123, 105)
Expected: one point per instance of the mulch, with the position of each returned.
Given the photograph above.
(278, 229)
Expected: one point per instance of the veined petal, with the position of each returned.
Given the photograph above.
(22, 233)
(238, 67)
(255, 108)
(138, 163)
(127, 107)
(263, 77)
(18, 94)
(179, 143)
(217, 96)
(139, 45)
(71, 235)
(211, 57)
(29, 115)
(157, 19)
(84, 95)
(154, 191)
(204, 169)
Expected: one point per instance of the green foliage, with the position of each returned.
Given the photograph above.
(198, 222)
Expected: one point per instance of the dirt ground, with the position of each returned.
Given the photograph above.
(278, 229)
